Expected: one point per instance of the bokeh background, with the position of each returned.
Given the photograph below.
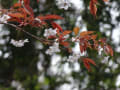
(29, 68)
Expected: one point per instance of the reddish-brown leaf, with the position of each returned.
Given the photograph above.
(93, 8)
(76, 30)
(55, 25)
(16, 5)
(26, 2)
(29, 10)
(50, 17)
(87, 37)
(23, 11)
(52, 37)
(90, 61)
(84, 33)
(16, 15)
(93, 37)
(105, 0)
(15, 20)
(83, 45)
(66, 32)
(61, 37)
(86, 62)
(81, 49)
(37, 1)
(108, 50)
(95, 1)
(65, 43)
(27, 7)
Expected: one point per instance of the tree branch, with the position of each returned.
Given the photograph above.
(20, 29)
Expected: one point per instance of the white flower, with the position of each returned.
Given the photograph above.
(74, 57)
(75, 39)
(19, 43)
(100, 49)
(63, 4)
(66, 36)
(4, 18)
(37, 19)
(53, 49)
(50, 32)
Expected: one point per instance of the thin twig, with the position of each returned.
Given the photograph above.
(20, 29)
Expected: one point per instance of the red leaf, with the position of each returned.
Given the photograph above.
(65, 44)
(82, 49)
(50, 17)
(52, 37)
(16, 15)
(90, 61)
(83, 45)
(26, 2)
(16, 5)
(108, 50)
(29, 10)
(37, 1)
(23, 11)
(61, 38)
(84, 33)
(15, 20)
(27, 7)
(105, 0)
(93, 37)
(55, 25)
(66, 32)
(95, 1)
(93, 8)
(86, 62)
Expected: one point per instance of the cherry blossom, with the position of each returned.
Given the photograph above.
(74, 57)
(63, 4)
(53, 49)
(19, 43)
(49, 32)
(4, 18)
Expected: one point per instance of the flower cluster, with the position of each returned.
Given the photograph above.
(19, 43)
(4, 18)
(74, 57)
(50, 32)
(63, 4)
(100, 49)
(53, 49)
